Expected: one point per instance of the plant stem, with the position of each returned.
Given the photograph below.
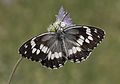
(14, 69)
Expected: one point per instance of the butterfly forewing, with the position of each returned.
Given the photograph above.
(46, 49)
(83, 39)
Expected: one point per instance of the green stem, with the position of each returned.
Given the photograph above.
(14, 69)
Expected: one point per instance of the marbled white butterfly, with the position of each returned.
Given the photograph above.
(63, 41)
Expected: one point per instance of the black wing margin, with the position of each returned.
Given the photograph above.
(83, 39)
(44, 48)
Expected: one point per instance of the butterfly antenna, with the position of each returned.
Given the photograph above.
(14, 69)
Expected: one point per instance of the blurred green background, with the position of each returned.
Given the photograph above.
(22, 19)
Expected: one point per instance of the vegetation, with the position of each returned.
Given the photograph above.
(22, 19)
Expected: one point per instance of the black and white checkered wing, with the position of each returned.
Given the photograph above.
(46, 49)
(81, 40)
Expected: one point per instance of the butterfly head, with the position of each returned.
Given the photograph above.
(63, 20)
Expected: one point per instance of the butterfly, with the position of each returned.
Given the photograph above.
(64, 41)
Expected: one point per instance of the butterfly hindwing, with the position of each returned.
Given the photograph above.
(56, 58)
(83, 39)
(44, 48)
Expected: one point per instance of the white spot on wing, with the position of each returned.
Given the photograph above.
(88, 31)
(70, 51)
(90, 38)
(95, 30)
(32, 44)
(49, 55)
(87, 41)
(52, 56)
(54, 66)
(25, 46)
(78, 49)
(41, 46)
(77, 44)
(82, 58)
(33, 50)
(81, 37)
(60, 65)
(25, 52)
(76, 60)
(74, 50)
(60, 54)
(80, 41)
(45, 49)
(56, 55)
(98, 36)
(38, 51)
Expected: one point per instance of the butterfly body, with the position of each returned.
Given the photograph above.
(63, 41)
